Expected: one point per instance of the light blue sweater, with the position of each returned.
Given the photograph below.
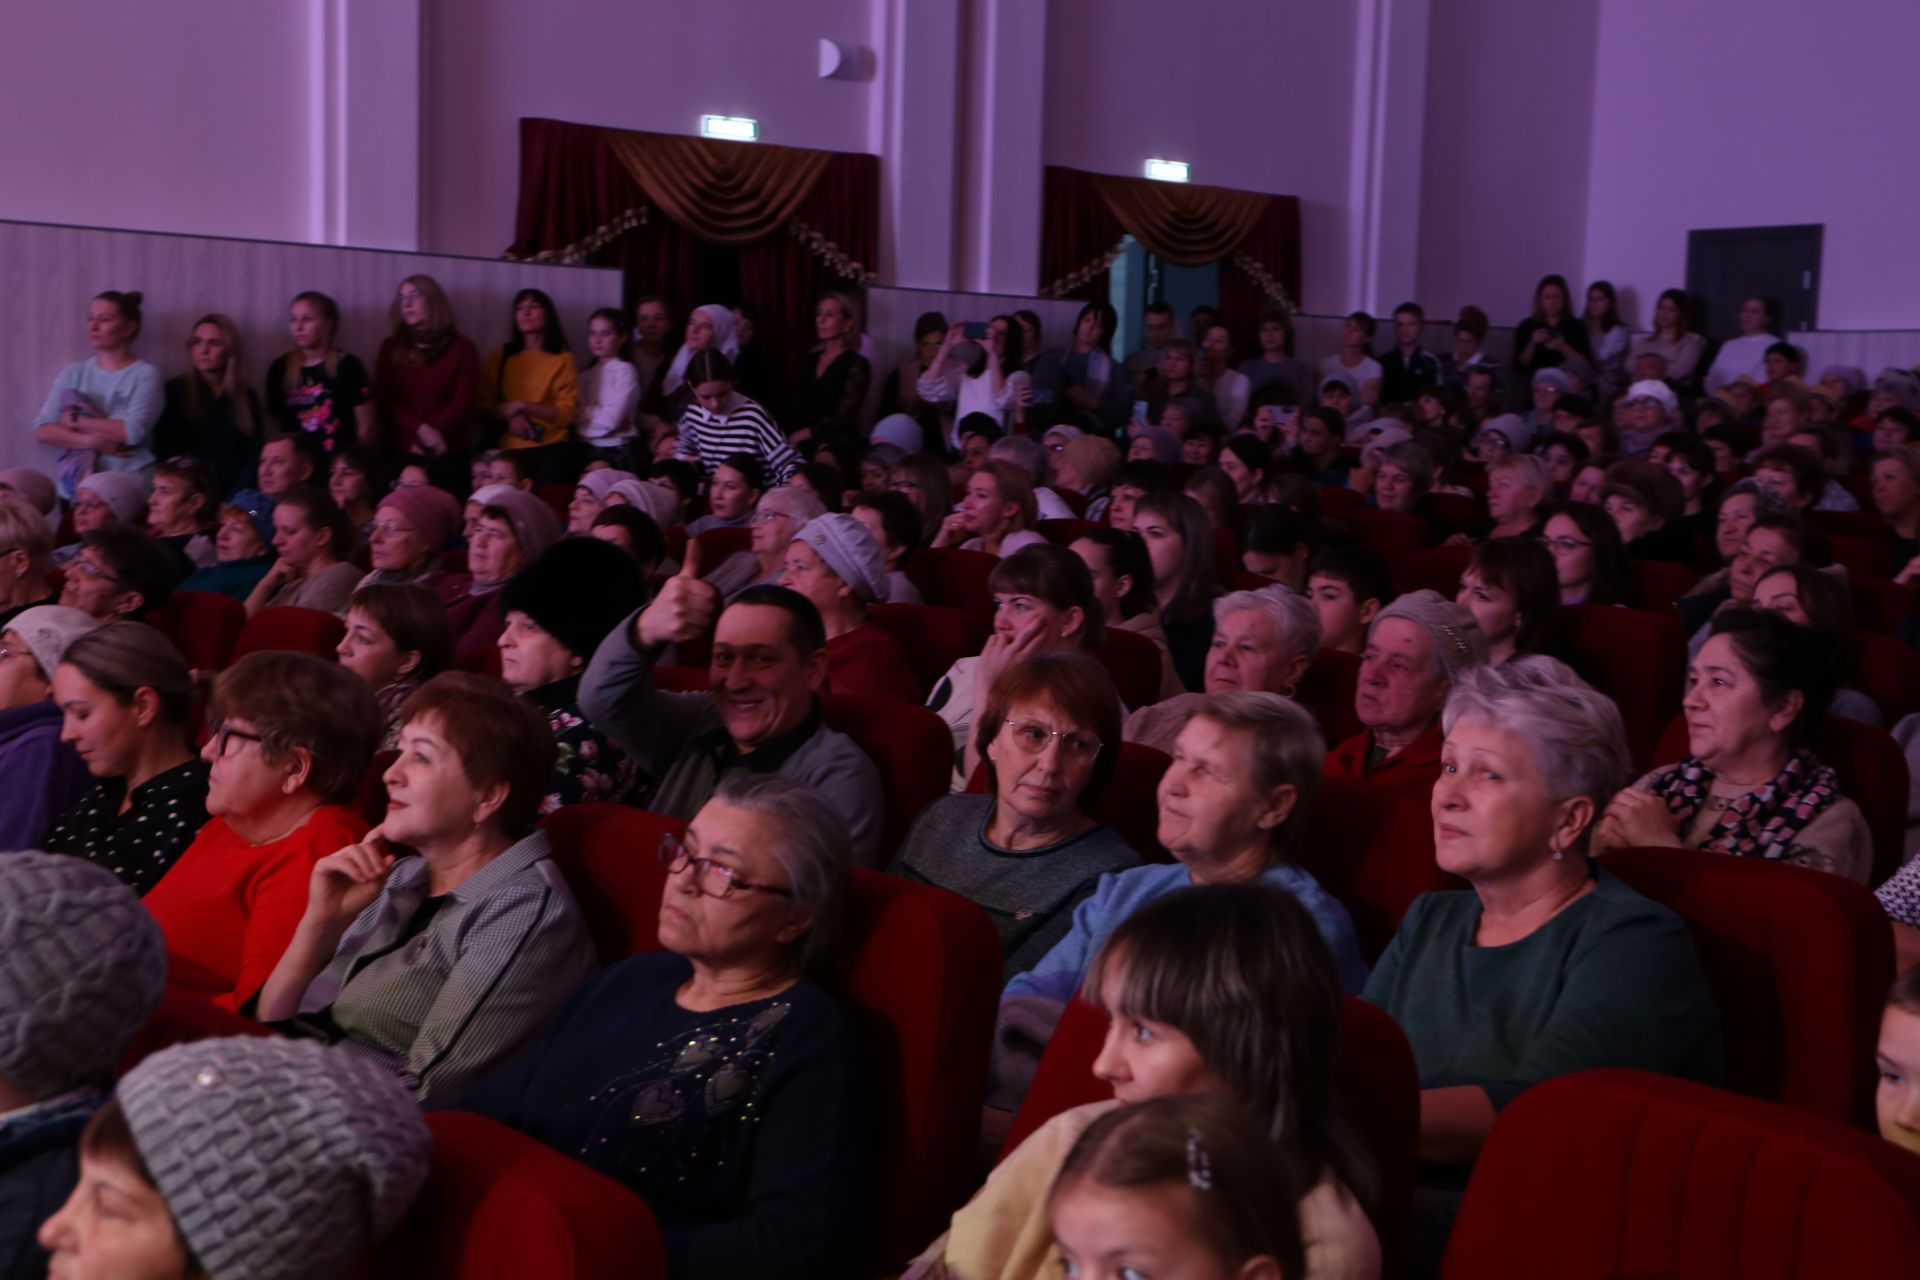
(133, 395)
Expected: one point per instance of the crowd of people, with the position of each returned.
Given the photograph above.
(527, 548)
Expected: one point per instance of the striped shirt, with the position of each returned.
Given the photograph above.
(450, 1004)
(708, 438)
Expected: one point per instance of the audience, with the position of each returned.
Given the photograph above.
(836, 564)
(778, 517)
(1511, 589)
(181, 510)
(1588, 557)
(285, 463)
(46, 775)
(734, 489)
(410, 529)
(1122, 574)
(125, 696)
(1348, 586)
(211, 413)
(243, 548)
(1818, 599)
(313, 539)
(425, 379)
(838, 378)
(720, 423)
(316, 389)
(609, 389)
(1744, 356)
(1180, 546)
(1263, 642)
(996, 514)
(530, 386)
(26, 565)
(397, 639)
(101, 412)
(1897, 1101)
(1417, 648)
(893, 522)
(513, 529)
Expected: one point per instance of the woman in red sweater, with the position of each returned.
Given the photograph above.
(423, 382)
(292, 736)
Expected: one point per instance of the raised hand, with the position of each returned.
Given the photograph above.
(346, 881)
(685, 607)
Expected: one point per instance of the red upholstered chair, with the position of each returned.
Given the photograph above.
(1432, 569)
(1130, 804)
(911, 746)
(682, 679)
(1062, 532)
(1626, 1173)
(556, 496)
(182, 1017)
(1872, 771)
(204, 626)
(1076, 501)
(717, 544)
(1869, 525)
(1226, 555)
(1862, 557)
(1388, 534)
(1379, 1092)
(1327, 691)
(607, 853)
(1658, 583)
(1238, 579)
(934, 636)
(1338, 504)
(313, 631)
(484, 661)
(954, 578)
(1370, 844)
(1881, 606)
(1889, 673)
(1638, 659)
(675, 536)
(370, 801)
(454, 561)
(499, 1205)
(1134, 663)
(1799, 963)
(1455, 511)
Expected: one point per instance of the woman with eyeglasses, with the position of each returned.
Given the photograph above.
(1030, 851)
(291, 737)
(923, 480)
(721, 1077)
(424, 379)
(1588, 558)
(445, 964)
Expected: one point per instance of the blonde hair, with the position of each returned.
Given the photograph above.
(329, 314)
(24, 529)
(232, 385)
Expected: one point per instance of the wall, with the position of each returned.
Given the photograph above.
(611, 62)
(133, 115)
(1753, 112)
(1509, 106)
(1254, 94)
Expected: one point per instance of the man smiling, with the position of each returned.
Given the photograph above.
(762, 715)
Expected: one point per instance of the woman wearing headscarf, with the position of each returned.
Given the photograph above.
(708, 327)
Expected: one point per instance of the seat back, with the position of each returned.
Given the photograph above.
(1131, 802)
(1432, 569)
(1134, 663)
(1881, 606)
(1889, 674)
(1379, 1093)
(1626, 1173)
(313, 631)
(1862, 557)
(1456, 512)
(1637, 658)
(1338, 504)
(1370, 844)
(933, 636)
(1873, 774)
(203, 625)
(910, 746)
(1388, 534)
(954, 578)
(1327, 691)
(183, 1017)
(606, 852)
(498, 1205)
(717, 544)
(1062, 531)
(1658, 583)
(1799, 963)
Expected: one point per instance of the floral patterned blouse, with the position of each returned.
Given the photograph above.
(590, 767)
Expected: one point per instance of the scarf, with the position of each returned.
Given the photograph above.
(722, 342)
(1764, 822)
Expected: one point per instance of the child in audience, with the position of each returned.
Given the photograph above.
(1348, 586)
(316, 387)
(1898, 1100)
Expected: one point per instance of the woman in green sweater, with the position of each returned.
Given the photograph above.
(1547, 964)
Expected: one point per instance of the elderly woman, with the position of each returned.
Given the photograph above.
(446, 964)
(720, 1077)
(1180, 547)
(126, 697)
(1750, 784)
(45, 776)
(26, 563)
(512, 531)
(1263, 641)
(396, 640)
(1510, 588)
(836, 564)
(1086, 465)
(1547, 964)
(1517, 487)
(410, 529)
(1416, 648)
(313, 539)
(106, 499)
(1042, 603)
(1648, 507)
(590, 495)
(777, 519)
(119, 573)
(995, 512)
(552, 629)
(1403, 474)
(161, 1163)
(1030, 851)
(1896, 496)
(1589, 559)
(291, 737)
(181, 509)
(243, 548)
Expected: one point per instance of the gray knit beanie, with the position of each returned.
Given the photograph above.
(1458, 641)
(82, 964)
(278, 1159)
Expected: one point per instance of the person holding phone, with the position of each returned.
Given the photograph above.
(982, 376)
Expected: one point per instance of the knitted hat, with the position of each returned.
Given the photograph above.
(580, 590)
(257, 507)
(899, 430)
(1458, 641)
(535, 527)
(124, 492)
(1063, 433)
(1852, 377)
(1512, 428)
(278, 1159)
(850, 551)
(48, 629)
(600, 483)
(1651, 390)
(658, 501)
(81, 968)
(35, 486)
(1554, 378)
(1901, 385)
(433, 513)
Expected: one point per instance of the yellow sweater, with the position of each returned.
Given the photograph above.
(536, 377)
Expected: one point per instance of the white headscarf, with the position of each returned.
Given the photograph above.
(722, 342)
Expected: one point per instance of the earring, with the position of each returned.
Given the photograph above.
(1559, 854)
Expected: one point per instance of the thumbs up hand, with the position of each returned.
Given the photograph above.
(684, 609)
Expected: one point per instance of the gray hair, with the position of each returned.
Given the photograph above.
(815, 853)
(1530, 469)
(1907, 456)
(796, 504)
(1453, 635)
(1024, 452)
(1573, 732)
(1765, 501)
(1292, 615)
(1411, 458)
(1287, 749)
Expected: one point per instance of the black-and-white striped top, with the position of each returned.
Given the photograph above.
(746, 427)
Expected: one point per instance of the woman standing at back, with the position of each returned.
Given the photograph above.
(316, 387)
(529, 385)
(424, 380)
(101, 411)
(211, 413)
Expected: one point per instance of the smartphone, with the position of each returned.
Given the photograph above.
(1042, 395)
(975, 329)
(1139, 410)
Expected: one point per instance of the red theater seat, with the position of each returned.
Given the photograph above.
(1889, 673)
(1637, 658)
(1134, 663)
(1338, 504)
(1456, 512)
(1799, 963)
(182, 1017)
(910, 746)
(204, 626)
(1388, 534)
(499, 1205)
(1881, 606)
(1327, 691)
(1625, 1173)
(1658, 583)
(608, 854)
(933, 636)
(1862, 557)
(717, 544)
(1062, 532)
(313, 631)
(954, 578)
(1432, 569)
(1370, 844)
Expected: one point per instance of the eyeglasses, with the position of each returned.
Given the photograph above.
(88, 504)
(902, 486)
(768, 517)
(388, 527)
(1566, 545)
(91, 570)
(223, 734)
(709, 877)
(1032, 737)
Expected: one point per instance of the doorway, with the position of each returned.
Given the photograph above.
(1726, 266)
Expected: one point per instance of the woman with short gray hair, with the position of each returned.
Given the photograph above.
(1546, 964)
(721, 1078)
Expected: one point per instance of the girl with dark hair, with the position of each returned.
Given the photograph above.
(720, 422)
(1086, 378)
(529, 384)
(609, 389)
(424, 379)
(1512, 589)
(709, 327)
(1552, 335)
(355, 481)
(901, 392)
(211, 412)
(1179, 541)
(316, 387)
(1606, 335)
(312, 543)
(839, 376)
(1588, 557)
(1671, 338)
(980, 375)
(1123, 587)
(102, 410)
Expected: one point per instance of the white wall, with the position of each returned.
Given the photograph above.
(1759, 112)
(1254, 94)
(184, 116)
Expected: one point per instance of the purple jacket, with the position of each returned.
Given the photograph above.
(44, 775)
